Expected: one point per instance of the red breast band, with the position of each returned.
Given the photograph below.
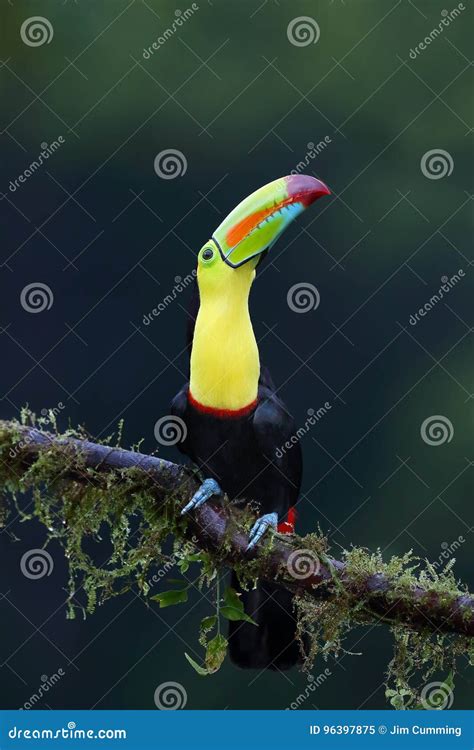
(222, 413)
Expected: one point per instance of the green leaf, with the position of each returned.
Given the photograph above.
(168, 598)
(215, 653)
(449, 681)
(233, 608)
(200, 670)
(231, 613)
(198, 557)
(232, 599)
(183, 565)
(208, 623)
(397, 702)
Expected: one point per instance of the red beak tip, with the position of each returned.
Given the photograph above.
(322, 189)
(306, 185)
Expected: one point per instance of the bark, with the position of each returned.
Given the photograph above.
(384, 599)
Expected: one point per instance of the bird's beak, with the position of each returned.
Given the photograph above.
(257, 222)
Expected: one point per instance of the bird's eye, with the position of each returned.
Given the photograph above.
(208, 253)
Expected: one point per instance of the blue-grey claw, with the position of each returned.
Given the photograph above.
(260, 526)
(208, 488)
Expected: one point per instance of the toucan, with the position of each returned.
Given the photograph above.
(235, 421)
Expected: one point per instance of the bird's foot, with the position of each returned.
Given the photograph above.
(208, 488)
(269, 520)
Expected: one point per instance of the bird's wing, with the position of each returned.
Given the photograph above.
(274, 429)
(179, 406)
(266, 379)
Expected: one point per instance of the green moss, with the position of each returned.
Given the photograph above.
(418, 655)
(94, 511)
(116, 506)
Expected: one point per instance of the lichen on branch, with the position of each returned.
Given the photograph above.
(114, 511)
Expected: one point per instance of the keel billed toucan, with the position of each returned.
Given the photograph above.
(235, 421)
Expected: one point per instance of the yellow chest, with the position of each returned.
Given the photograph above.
(225, 365)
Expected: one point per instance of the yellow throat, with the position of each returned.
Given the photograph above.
(225, 365)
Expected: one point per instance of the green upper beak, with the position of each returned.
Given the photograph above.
(257, 222)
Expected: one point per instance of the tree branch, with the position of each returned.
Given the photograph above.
(290, 561)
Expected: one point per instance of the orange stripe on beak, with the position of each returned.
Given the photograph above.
(242, 229)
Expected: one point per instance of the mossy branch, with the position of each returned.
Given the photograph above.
(84, 476)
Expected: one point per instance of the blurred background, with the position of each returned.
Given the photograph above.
(237, 94)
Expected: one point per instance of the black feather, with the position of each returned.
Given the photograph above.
(242, 455)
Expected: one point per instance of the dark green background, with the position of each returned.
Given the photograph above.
(241, 103)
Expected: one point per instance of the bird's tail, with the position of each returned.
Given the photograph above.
(272, 644)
